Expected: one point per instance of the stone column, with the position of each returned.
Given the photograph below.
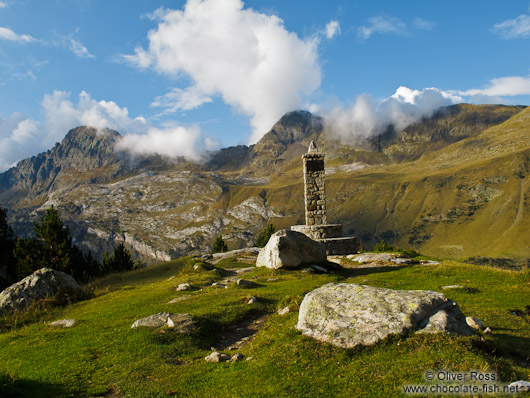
(315, 196)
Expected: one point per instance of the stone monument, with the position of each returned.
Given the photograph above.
(316, 226)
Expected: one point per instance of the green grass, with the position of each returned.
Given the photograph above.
(102, 356)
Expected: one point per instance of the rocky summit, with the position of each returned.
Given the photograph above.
(435, 187)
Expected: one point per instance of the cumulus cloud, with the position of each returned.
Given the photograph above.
(246, 57)
(502, 86)
(332, 29)
(19, 139)
(61, 114)
(171, 141)
(367, 118)
(518, 27)
(3, 4)
(382, 24)
(8, 34)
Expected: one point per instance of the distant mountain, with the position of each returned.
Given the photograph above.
(436, 186)
(288, 139)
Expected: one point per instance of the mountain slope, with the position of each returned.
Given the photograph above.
(437, 186)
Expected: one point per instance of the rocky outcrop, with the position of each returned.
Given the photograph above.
(289, 249)
(181, 323)
(347, 315)
(44, 283)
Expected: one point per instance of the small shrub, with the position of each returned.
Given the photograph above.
(383, 247)
(264, 236)
(411, 253)
(219, 245)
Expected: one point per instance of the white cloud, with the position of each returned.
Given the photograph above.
(423, 24)
(3, 4)
(332, 29)
(24, 75)
(8, 34)
(78, 49)
(518, 27)
(178, 99)
(502, 86)
(366, 118)
(246, 57)
(61, 115)
(171, 141)
(21, 137)
(382, 24)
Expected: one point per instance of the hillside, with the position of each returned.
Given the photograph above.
(102, 356)
(454, 185)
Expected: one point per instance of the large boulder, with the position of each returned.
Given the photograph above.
(347, 314)
(43, 283)
(289, 249)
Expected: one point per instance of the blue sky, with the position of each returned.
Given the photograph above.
(183, 77)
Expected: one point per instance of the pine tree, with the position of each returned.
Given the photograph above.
(7, 259)
(219, 245)
(121, 260)
(52, 248)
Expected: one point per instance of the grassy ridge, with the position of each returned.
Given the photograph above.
(102, 355)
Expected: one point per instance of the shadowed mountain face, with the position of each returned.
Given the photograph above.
(452, 175)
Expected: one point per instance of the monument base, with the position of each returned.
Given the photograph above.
(331, 236)
(322, 231)
(340, 246)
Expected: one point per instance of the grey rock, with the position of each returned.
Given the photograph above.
(183, 287)
(401, 261)
(475, 323)
(63, 323)
(181, 323)
(521, 385)
(206, 257)
(252, 300)
(289, 249)
(236, 357)
(452, 287)
(220, 285)
(320, 269)
(217, 357)
(245, 283)
(347, 315)
(43, 283)
(284, 311)
(487, 331)
(447, 319)
(176, 300)
(372, 257)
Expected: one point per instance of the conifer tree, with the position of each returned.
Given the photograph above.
(8, 268)
(121, 260)
(219, 245)
(52, 248)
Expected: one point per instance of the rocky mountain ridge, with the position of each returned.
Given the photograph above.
(163, 209)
